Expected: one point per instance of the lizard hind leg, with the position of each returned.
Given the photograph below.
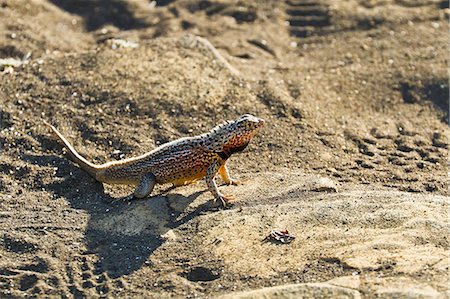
(146, 185)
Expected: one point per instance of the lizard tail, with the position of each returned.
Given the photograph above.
(92, 169)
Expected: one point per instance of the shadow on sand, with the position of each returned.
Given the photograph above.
(122, 234)
(98, 13)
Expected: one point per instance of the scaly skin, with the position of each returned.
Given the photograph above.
(179, 162)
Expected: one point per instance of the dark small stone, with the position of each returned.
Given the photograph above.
(430, 187)
(201, 274)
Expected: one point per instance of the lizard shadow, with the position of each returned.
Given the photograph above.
(121, 234)
(125, 234)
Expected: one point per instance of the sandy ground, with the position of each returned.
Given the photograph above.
(352, 161)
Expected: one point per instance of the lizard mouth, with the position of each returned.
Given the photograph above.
(259, 126)
(261, 123)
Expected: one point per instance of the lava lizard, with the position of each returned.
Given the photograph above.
(179, 162)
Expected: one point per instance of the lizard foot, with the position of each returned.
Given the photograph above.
(237, 182)
(225, 199)
(128, 199)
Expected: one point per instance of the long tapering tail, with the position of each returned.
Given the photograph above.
(91, 168)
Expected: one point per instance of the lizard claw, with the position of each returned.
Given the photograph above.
(237, 182)
(225, 199)
(228, 197)
(128, 199)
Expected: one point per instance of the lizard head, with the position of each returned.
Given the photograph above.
(234, 136)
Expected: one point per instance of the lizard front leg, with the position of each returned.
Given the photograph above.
(210, 174)
(224, 173)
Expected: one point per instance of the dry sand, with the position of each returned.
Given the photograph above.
(352, 160)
